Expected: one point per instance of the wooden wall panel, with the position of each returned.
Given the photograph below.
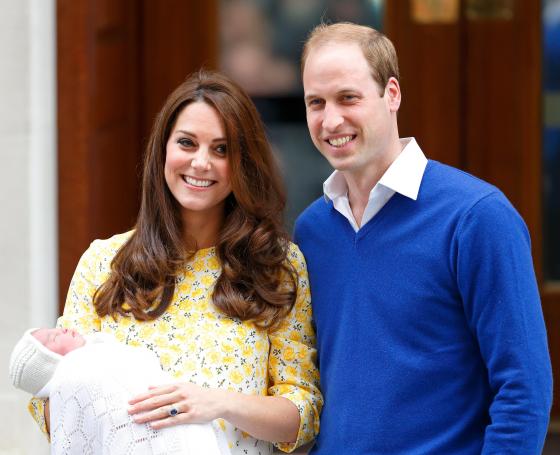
(503, 122)
(74, 61)
(176, 40)
(431, 78)
(97, 124)
(115, 142)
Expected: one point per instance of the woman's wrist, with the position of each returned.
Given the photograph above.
(263, 417)
(227, 400)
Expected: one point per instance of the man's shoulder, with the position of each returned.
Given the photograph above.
(459, 194)
(453, 176)
(455, 185)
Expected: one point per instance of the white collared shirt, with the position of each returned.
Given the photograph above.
(403, 176)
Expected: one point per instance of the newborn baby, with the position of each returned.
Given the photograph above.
(36, 356)
(89, 380)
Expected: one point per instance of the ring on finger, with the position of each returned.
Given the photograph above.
(173, 411)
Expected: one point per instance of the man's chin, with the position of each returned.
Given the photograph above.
(339, 163)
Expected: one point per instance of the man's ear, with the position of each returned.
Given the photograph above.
(393, 92)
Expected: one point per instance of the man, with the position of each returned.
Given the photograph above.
(430, 332)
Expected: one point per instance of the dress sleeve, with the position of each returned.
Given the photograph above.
(292, 364)
(79, 312)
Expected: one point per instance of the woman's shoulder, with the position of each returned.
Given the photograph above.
(295, 256)
(107, 248)
(112, 243)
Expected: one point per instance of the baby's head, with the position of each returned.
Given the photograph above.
(36, 356)
(60, 341)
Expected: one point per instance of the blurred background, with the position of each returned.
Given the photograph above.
(82, 80)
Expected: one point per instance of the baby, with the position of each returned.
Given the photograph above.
(35, 357)
(89, 380)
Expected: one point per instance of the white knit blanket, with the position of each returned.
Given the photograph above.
(89, 396)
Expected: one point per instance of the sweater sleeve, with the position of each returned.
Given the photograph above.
(79, 313)
(502, 305)
(293, 372)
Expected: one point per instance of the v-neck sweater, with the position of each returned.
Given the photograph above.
(430, 332)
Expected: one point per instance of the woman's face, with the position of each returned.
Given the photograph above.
(196, 162)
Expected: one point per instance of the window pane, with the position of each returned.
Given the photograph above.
(551, 138)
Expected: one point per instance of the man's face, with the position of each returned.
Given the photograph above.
(61, 341)
(351, 119)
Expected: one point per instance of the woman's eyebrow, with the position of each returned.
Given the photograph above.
(188, 133)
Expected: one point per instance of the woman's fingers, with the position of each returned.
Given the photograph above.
(164, 386)
(170, 421)
(172, 414)
(153, 392)
(157, 403)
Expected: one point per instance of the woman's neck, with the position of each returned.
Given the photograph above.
(203, 228)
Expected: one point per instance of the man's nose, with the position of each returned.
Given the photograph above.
(332, 118)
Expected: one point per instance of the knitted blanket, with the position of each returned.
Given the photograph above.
(89, 396)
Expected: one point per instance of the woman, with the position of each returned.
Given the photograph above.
(208, 280)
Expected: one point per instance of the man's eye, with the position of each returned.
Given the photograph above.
(185, 142)
(349, 97)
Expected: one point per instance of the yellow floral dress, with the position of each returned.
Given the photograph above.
(197, 343)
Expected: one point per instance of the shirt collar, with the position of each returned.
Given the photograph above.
(403, 176)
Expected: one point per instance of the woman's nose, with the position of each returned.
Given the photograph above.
(201, 160)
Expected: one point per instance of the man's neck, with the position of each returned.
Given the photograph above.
(361, 183)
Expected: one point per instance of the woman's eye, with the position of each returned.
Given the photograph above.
(185, 142)
(221, 149)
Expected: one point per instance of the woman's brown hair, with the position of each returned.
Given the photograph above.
(257, 282)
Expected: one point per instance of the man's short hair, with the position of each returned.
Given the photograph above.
(378, 50)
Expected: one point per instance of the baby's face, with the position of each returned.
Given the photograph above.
(61, 341)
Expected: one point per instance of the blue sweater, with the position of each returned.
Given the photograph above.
(431, 337)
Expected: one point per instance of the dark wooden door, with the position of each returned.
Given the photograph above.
(117, 62)
(472, 94)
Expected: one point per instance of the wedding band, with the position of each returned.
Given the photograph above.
(173, 412)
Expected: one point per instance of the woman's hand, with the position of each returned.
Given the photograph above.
(268, 418)
(194, 404)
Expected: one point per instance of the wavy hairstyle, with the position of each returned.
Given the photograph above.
(257, 281)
